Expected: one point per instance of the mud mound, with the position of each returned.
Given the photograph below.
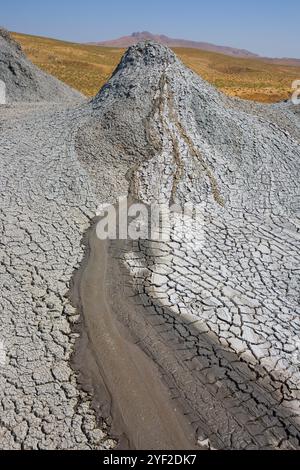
(225, 290)
(24, 81)
(208, 317)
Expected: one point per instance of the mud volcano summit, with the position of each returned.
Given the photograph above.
(190, 342)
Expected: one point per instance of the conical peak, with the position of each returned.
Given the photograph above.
(149, 53)
(140, 73)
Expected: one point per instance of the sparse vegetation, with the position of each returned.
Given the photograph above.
(248, 78)
(87, 68)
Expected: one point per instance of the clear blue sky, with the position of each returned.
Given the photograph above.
(268, 27)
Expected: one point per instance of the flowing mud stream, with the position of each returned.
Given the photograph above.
(142, 413)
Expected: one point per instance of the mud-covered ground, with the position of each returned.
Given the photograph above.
(203, 328)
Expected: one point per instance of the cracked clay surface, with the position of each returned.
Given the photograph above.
(216, 308)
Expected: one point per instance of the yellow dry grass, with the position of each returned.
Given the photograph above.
(87, 68)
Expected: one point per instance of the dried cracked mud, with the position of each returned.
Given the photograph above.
(191, 342)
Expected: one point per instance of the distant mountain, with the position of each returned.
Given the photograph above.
(127, 41)
(283, 61)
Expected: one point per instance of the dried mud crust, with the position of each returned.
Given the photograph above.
(46, 203)
(221, 318)
(230, 304)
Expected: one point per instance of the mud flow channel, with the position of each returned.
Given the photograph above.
(142, 413)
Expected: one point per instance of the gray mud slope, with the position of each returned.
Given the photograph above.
(26, 82)
(45, 207)
(216, 308)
